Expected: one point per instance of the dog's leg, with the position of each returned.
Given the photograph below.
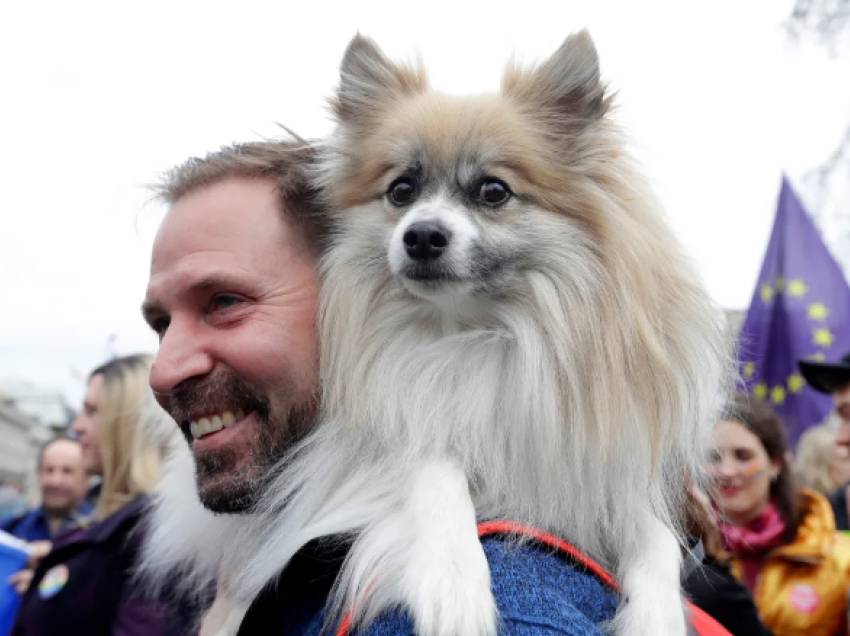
(224, 616)
(649, 576)
(446, 582)
(232, 620)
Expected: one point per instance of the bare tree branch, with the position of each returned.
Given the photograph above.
(840, 157)
(827, 24)
(827, 21)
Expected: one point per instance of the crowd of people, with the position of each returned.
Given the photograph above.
(769, 533)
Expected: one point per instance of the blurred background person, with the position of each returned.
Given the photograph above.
(780, 541)
(821, 464)
(84, 585)
(63, 483)
(833, 379)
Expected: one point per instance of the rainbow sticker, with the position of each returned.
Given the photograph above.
(53, 581)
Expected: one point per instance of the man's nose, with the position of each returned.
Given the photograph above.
(53, 480)
(182, 355)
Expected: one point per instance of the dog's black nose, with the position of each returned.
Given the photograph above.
(425, 240)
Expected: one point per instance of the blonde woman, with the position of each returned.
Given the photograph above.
(821, 465)
(84, 585)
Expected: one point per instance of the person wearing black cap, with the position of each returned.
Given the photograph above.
(833, 378)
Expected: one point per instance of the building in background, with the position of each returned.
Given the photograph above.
(45, 406)
(21, 438)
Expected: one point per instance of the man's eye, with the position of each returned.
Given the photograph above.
(224, 301)
(159, 325)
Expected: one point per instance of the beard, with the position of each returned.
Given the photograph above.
(57, 502)
(228, 481)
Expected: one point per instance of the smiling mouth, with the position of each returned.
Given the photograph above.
(728, 491)
(214, 422)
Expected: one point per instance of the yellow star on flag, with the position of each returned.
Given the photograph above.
(766, 292)
(777, 395)
(760, 391)
(749, 370)
(797, 288)
(795, 383)
(823, 337)
(818, 311)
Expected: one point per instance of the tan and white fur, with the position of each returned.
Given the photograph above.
(556, 364)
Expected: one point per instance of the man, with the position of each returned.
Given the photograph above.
(233, 297)
(63, 484)
(833, 378)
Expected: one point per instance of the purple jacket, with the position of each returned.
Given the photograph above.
(85, 587)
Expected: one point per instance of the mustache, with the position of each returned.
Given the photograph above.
(219, 391)
(55, 490)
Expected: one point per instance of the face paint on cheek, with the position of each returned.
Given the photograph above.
(754, 470)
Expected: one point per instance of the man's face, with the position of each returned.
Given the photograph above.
(62, 478)
(233, 297)
(841, 399)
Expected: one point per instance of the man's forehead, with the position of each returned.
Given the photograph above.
(63, 451)
(230, 227)
(225, 213)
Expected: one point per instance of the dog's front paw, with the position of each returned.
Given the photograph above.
(457, 602)
(447, 577)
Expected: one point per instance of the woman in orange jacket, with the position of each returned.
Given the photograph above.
(780, 541)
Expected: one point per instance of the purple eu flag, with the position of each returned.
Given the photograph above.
(800, 310)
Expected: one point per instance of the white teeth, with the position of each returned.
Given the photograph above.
(205, 426)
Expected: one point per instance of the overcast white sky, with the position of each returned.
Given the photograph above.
(98, 97)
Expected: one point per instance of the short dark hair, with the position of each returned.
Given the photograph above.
(51, 442)
(763, 422)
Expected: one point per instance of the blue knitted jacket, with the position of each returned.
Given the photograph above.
(537, 593)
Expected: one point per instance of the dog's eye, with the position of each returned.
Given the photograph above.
(401, 191)
(494, 192)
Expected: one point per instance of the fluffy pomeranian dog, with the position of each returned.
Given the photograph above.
(509, 331)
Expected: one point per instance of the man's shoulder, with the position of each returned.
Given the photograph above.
(533, 584)
(28, 526)
(536, 591)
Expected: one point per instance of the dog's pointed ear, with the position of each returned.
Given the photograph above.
(369, 81)
(568, 84)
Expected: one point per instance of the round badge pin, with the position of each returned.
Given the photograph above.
(53, 581)
(804, 598)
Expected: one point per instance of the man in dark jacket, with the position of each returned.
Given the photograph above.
(833, 378)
